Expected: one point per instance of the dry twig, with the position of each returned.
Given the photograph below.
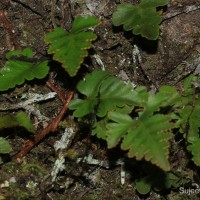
(10, 30)
(29, 144)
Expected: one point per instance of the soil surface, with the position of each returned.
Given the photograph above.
(132, 58)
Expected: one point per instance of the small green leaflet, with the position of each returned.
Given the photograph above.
(70, 48)
(90, 88)
(15, 71)
(142, 18)
(27, 52)
(115, 93)
(143, 186)
(20, 119)
(166, 96)
(99, 128)
(4, 146)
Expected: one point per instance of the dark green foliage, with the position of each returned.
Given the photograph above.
(4, 147)
(16, 71)
(140, 122)
(9, 121)
(147, 135)
(20, 119)
(142, 19)
(104, 91)
(70, 48)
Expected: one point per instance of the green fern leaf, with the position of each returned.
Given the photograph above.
(141, 19)
(20, 119)
(194, 124)
(147, 139)
(90, 88)
(187, 121)
(99, 128)
(153, 3)
(187, 116)
(115, 93)
(15, 71)
(27, 52)
(182, 118)
(188, 86)
(70, 48)
(81, 23)
(166, 96)
(183, 114)
(104, 93)
(117, 130)
(194, 148)
(143, 186)
(193, 133)
(4, 146)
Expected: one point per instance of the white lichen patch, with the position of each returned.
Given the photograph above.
(60, 145)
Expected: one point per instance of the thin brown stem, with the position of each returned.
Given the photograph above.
(50, 128)
(10, 30)
(55, 89)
